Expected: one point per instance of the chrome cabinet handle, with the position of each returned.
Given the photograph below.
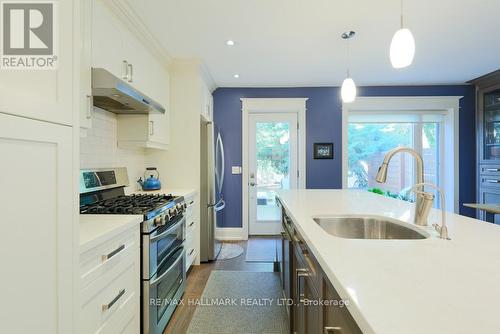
(113, 253)
(90, 106)
(191, 251)
(151, 128)
(130, 72)
(191, 224)
(301, 273)
(492, 181)
(125, 70)
(493, 169)
(332, 330)
(111, 303)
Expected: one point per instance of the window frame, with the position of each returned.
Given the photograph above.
(447, 106)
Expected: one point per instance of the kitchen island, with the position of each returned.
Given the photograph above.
(404, 286)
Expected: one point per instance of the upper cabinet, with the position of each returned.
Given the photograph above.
(115, 48)
(44, 94)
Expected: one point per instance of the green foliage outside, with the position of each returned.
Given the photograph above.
(273, 154)
(367, 140)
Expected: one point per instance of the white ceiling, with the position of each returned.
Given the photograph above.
(297, 42)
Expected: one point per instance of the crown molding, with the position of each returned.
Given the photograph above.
(124, 11)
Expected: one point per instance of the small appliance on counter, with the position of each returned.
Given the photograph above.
(151, 182)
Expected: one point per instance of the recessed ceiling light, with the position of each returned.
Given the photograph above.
(236, 76)
(230, 43)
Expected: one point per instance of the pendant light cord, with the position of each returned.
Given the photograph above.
(402, 23)
(348, 57)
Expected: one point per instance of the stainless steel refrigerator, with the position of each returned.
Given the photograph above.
(212, 202)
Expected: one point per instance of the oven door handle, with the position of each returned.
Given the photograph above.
(159, 236)
(176, 262)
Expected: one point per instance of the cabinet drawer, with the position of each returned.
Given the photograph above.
(336, 316)
(492, 181)
(112, 301)
(99, 260)
(306, 259)
(489, 170)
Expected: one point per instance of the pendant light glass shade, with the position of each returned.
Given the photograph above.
(348, 90)
(402, 49)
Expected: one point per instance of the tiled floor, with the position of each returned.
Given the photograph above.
(197, 279)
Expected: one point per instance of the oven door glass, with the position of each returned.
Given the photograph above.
(163, 242)
(166, 290)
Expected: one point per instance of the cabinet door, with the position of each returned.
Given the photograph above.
(44, 94)
(336, 317)
(85, 97)
(38, 206)
(107, 41)
(489, 195)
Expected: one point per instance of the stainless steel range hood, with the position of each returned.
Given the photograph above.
(115, 95)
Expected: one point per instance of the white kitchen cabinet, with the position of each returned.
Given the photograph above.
(44, 94)
(110, 285)
(108, 49)
(191, 229)
(38, 206)
(85, 96)
(116, 49)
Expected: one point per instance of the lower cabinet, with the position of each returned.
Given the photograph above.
(317, 307)
(110, 286)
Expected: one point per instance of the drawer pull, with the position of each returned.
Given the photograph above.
(332, 330)
(111, 303)
(191, 224)
(493, 169)
(492, 181)
(191, 251)
(113, 253)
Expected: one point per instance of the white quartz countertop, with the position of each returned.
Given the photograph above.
(405, 286)
(95, 229)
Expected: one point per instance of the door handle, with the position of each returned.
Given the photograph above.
(301, 273)
(125, 70)
(90, 106)
(130, 72)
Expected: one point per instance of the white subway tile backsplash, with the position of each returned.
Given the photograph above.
(99, 149)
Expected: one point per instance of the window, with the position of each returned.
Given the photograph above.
(371, 135)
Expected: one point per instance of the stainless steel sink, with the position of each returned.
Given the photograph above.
(369, 227)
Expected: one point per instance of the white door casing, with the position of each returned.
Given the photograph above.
(268, 225)
(265, 105)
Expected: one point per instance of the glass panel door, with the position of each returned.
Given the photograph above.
(491, 119)
(273, 166)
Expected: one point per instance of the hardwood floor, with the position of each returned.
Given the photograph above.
(197, 279)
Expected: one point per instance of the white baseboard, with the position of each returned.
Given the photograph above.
(230, 233)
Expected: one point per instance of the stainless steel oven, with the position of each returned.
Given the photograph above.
(163, 273)
(160, 244)
(162, 293)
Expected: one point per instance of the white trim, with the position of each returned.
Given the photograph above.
(230, 233)
(448, 104)
(262, 105)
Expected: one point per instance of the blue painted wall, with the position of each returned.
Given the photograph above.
(324, 124)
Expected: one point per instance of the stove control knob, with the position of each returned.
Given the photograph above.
(185, 206)
(172, 212)
(157, 221)
(180, 207)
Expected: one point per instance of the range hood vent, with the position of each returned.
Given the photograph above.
(115, 95)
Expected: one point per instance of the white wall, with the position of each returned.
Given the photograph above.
(99, 148)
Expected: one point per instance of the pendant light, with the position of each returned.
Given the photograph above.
(348, 90)
(402, 49)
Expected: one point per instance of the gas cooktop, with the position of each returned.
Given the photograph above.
(131, 204)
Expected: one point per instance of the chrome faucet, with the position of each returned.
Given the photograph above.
(428, 199)
(422, 199)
